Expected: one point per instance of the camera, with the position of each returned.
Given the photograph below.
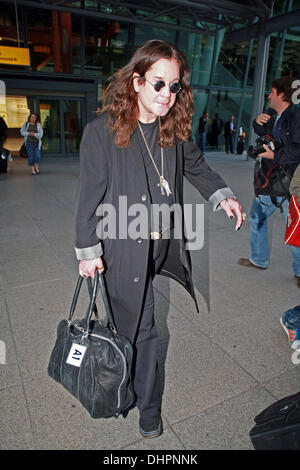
(255, 150)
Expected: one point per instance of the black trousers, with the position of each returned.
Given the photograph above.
(145, 368)
(229, 143)
(2, 139)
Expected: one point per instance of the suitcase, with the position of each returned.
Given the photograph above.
(278, 426)
(3, 160)
(240, 148)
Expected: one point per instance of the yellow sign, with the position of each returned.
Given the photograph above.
(14, 55)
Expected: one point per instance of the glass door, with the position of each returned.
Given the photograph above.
(72, 112)
(51, 123)
(62, 123)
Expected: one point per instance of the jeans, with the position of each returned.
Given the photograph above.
(261, 209)
(33, 152)
(291, 318)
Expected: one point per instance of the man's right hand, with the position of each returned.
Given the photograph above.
(262, 119)
(88, 267)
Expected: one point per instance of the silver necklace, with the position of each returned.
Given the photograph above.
(163, 183)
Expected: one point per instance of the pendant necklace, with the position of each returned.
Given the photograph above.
(163, 183)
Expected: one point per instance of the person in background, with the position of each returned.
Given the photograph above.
(32, 132)
(229, 131)
(290, 319)
(203, 131)
(281, 121)
(3, 129)
(216, 128)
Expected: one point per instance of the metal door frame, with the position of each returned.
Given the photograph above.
(60, 99)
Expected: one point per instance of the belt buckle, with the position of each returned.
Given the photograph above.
(155, 235)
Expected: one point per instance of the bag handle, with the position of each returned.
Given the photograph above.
(92, 304)
(107, 304)
(90, 288)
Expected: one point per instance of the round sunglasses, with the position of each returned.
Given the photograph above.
(174, 88)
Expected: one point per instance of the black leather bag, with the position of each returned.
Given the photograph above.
(278, 426)
(23, 151)
(92, 361)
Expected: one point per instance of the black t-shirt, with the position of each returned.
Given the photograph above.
(150, 131)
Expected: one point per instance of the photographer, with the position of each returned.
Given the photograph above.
(282, 122)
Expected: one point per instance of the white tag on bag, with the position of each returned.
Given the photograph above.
(76, 354)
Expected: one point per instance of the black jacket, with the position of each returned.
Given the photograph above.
(227, 128)
(202, 125)
(108, 172)
(289, 153)
(3, 127)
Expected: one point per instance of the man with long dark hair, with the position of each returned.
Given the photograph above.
(139, 149)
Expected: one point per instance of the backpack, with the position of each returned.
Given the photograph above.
(272, 179)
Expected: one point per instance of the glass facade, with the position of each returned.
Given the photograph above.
(50, 120)
(231, 62)
(73, 124)
(198, 49)
(90, 46)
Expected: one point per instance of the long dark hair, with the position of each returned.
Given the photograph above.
(121, 98)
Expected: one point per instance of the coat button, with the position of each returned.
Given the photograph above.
(136, 279)
(140, 240)
(144, 197)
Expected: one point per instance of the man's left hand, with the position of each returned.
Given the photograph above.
(233, 207)
(268, 153)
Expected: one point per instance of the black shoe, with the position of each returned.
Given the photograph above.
(151, 427)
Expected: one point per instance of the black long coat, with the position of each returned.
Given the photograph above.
(107, 172)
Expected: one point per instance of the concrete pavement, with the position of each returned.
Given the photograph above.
(220, 367)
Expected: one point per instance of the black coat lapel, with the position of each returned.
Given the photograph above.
(135, 155)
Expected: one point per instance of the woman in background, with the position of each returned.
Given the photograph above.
(32, 132)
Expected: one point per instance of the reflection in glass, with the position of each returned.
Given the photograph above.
(231, 62)
(199, 53)
(8, 32)
(143, 33)
(49, 111)
(76, 31)
(54, 41)
(106, 47)
(290, 64)
(200, 104)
